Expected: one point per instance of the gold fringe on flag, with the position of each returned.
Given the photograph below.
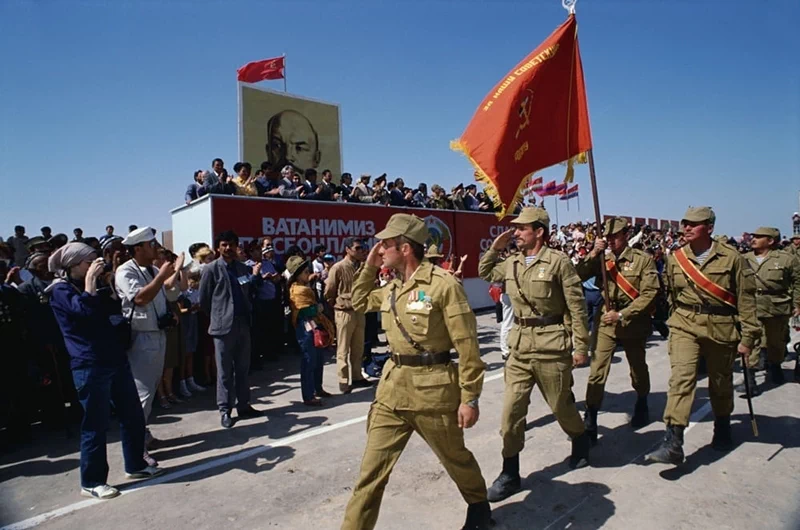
(570, 163)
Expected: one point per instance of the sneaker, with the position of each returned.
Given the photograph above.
(164, 403)
(175, 400)
(103, 492)
(194, 387)
(147, 472)
(183, 390)
(149, 460)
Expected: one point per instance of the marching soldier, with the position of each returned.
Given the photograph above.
(633, 286)
(544, 290)
(777, 276)
(425, 315)
(709, 285)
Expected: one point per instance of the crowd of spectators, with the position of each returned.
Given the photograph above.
(289, 183)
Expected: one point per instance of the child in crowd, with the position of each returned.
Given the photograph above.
(189, 306)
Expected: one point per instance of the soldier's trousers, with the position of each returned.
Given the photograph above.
(601, 365)
(388, 432)
(774, 330)
(684, 351)
(350, 326)
(554, 379)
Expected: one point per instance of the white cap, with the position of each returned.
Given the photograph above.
(140, 235)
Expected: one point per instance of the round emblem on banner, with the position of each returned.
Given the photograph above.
(439, 235)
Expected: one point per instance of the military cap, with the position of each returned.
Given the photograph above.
(433, 252)
(365, 176)
(403, 224)
(614, 225)
(532, 214)
(295, 265)
(36, 241)
(766, 231)
(795, 236)
(699, 214)
(140, 235)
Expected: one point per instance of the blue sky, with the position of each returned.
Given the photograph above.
(108, 107)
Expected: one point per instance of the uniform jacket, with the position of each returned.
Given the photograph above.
(640, 270)
(553, 286)
(361, 193)
(777, 283)
(728, 269)
(442, 321)
(216, 295)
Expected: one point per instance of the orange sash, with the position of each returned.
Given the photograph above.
(694, 275)
(620, 280)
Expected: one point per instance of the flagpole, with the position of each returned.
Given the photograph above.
(284, 72)
(593, 179)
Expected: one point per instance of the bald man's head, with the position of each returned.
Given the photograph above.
(292, 140)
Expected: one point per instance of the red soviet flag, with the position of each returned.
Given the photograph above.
(261, 70)
(535, 117)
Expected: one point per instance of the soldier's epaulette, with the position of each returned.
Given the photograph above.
(726, 246)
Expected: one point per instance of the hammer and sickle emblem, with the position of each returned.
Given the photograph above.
(525, 112)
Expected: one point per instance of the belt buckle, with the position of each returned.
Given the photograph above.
(698, 308)
(426, 359)
(397, 361)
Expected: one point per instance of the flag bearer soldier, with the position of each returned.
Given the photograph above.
(777, 276)
(545, 291)
(426, 314)
(711, 290)
(632, 289)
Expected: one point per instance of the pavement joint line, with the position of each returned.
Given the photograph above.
(235, 457)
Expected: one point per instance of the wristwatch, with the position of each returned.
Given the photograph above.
(621, 317)
(473, 403)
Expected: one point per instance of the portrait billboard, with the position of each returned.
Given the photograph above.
(288, 130)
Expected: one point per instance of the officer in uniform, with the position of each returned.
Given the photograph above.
(425, 314)
(777, 276)
(632, 289)
(711, 289)
(545, 291)
(794, 246)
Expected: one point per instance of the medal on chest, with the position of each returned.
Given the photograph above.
(541, 272)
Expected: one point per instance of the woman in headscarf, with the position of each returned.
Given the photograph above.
(93, 334)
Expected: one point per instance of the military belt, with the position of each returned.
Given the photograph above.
(536, 322)
(770, 291)
(709, 309)
(422, 359)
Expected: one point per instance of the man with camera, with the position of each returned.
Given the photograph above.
(144, 292)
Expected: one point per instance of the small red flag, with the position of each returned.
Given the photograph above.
(535, 117)
(261, 70)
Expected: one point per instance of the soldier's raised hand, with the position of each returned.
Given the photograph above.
(503, 239)
(374, 258)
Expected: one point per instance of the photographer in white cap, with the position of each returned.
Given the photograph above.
(144, 292)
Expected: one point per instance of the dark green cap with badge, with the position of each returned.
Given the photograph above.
(767, 231)
(403, 224)
(614, 225)
(532, 214)
(699, 214)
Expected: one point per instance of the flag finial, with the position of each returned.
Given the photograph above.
(569, 5)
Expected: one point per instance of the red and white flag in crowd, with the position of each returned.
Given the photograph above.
(551, 188)
(262, 70)
(568, 194)
(534, 185)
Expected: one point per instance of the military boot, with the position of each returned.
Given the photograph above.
(671, 449)
(479, 517)
(776, 374)
(641, 413)
(722, 440)
(590, 423)
(580, 451)
(508, 482)
(754, 390)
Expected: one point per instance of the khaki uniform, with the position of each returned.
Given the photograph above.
(777, 280)
(362, 193)
(350, 324)
(640, 270)
(539, 355)
(715, 337)
(422, 399)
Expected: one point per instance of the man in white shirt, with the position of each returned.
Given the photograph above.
(144, 292)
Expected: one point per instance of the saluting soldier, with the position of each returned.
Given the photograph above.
(710, 287)
(425, 314)
(544, 290)
(632, 289)
(777, 276)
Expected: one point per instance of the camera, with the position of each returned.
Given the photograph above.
(166, 321)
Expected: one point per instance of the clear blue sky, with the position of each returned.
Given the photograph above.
(106, 108)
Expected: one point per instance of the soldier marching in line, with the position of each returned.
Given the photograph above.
(711, 289)
(777, 276)
(632, 287)
(545, 291)
(425, 314)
